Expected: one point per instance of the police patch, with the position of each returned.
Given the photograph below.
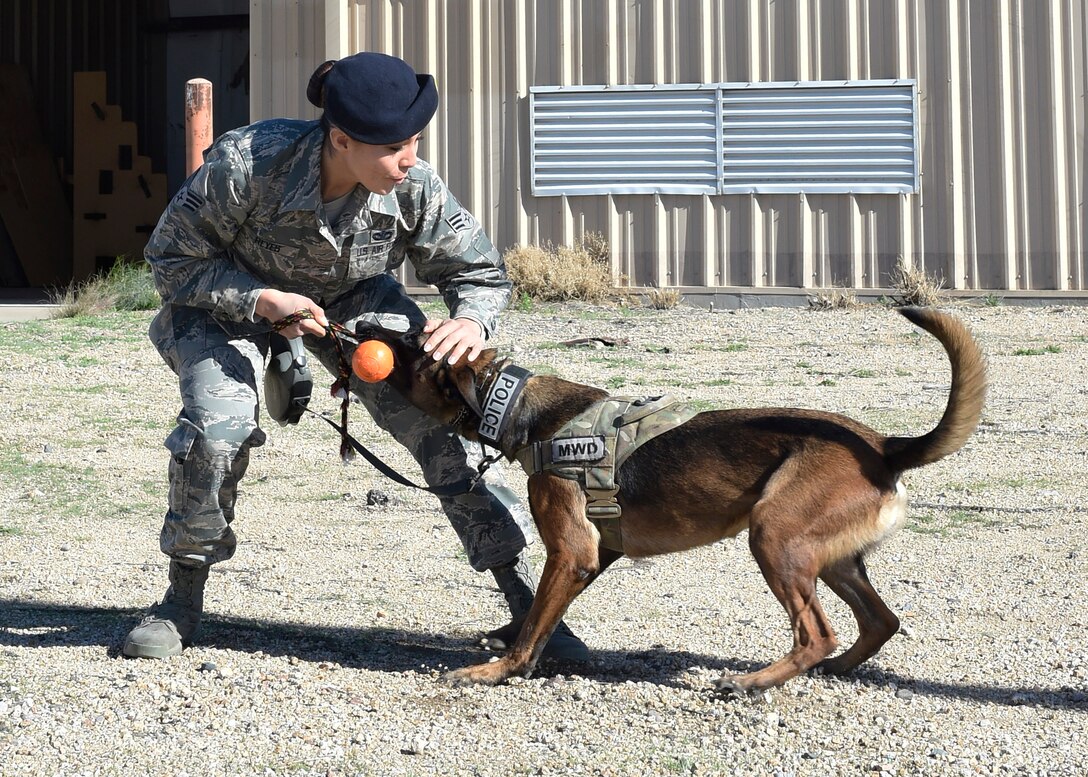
(461, 221)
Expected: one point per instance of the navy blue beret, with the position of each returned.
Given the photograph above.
(376, 98)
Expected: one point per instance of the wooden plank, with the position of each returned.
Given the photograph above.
(112, 220)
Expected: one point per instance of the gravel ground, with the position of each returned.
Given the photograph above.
(326, 635)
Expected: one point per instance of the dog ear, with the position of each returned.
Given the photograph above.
(464, 378)
(413, 339)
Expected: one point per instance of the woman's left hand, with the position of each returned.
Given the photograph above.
(452, 338)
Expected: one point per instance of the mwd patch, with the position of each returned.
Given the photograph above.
(578, 449)
(592, 446)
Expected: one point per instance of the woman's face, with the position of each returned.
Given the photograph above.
(378, 168)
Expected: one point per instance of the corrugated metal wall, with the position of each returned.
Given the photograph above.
(1002, 126)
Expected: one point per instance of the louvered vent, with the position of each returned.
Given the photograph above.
(856, 138)
(624, 141)
(832, 137)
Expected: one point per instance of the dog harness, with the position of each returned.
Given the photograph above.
(592, 446)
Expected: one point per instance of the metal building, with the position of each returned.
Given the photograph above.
(672, 145)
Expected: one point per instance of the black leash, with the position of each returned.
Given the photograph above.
(347, 441)
(392, 474)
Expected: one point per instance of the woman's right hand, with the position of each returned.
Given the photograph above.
(274, 304)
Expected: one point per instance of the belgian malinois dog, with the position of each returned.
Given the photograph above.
(816, 491)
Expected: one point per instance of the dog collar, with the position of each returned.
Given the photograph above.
(500, 400)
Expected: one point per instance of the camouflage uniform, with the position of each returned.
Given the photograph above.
(251, 218)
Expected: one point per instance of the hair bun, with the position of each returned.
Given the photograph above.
(315, 89)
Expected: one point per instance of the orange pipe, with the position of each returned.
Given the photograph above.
(198, 122)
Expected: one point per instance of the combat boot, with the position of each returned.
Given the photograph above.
(518, 586)
(173, 622)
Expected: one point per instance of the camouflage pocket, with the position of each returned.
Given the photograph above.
(180, 444)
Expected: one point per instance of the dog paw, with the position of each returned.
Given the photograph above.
(734, 687)
(480, 674)
(728, 686)
(831, 666)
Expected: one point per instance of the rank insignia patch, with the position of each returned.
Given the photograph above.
(461, 221)
(190, 200)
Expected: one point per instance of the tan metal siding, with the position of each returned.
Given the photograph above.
(1001, 111)
(288, 41)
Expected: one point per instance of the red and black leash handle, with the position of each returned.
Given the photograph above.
(342, 386)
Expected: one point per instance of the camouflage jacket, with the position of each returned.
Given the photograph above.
(251, 218)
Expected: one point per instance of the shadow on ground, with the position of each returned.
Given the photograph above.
(36, 625)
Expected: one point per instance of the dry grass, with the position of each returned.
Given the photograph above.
(127, 286)
(663, 299)
(91, 298)
(556, 274)
(834, 298)
(914, 287)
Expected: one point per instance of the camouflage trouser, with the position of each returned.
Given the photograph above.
(219, 366)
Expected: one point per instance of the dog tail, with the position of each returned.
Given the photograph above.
(965, 400)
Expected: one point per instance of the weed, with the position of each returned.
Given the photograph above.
(127, 286)
(993, 301)
(663, 299)
(524, 303)
(915, 287)
(863, 373)
(835, 298)
(827, 382)
(1037, 351)
(1022, 482)
(956, 522)
(718, 382)
(11, 531)
(679, 764)
(550, 273)
(616, 381)
(736, 347)
(625, 362)
(967, 519)
(924, 523)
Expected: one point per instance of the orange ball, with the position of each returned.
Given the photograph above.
(372, 361)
